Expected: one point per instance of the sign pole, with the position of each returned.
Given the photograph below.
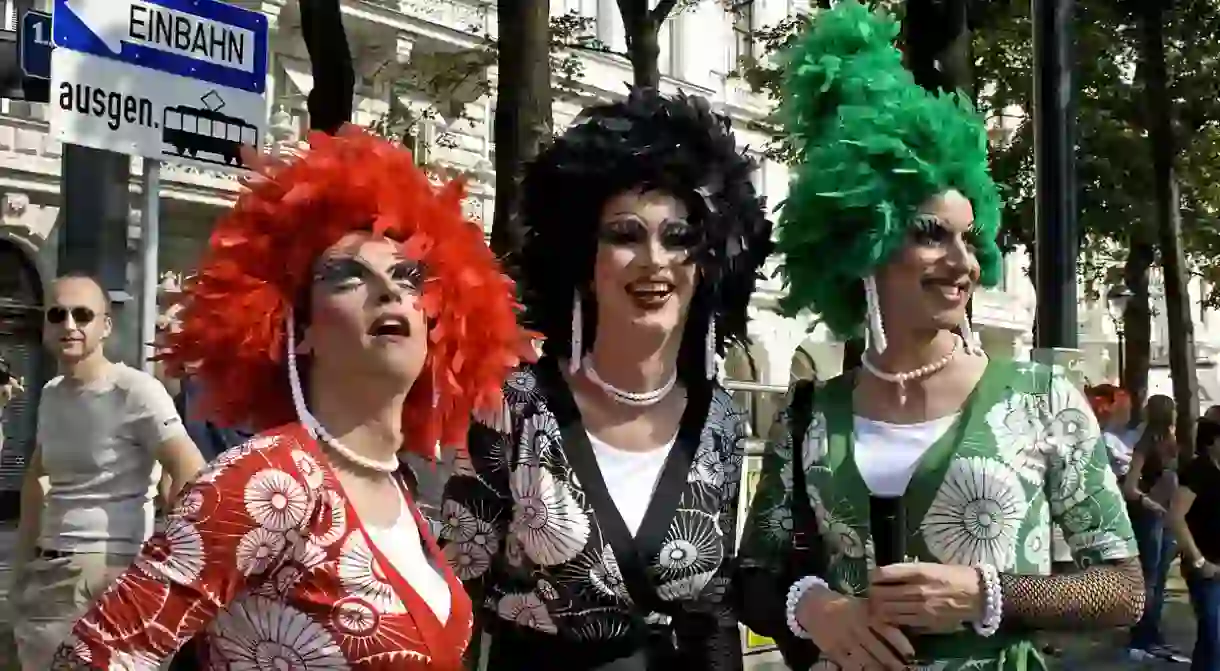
(150, 242)
(1055, 219)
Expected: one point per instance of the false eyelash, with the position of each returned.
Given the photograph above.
(413, 273)
(926, 222)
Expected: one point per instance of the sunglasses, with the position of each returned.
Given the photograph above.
(80, 315)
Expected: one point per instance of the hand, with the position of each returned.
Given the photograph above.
(14, 386)
(928, 597)
(1208, 570)
(1152, 506)
(840, 627)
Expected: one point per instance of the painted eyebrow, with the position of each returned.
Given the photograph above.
(621, 216)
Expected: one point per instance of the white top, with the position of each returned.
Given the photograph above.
(1120, 446)
(98, 444)
(404, 547)
(631, 477)
(886, 454)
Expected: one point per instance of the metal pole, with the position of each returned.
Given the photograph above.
(1122, 366)
(1056, 234)
(150, 241)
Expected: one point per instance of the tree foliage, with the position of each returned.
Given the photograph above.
(1113, 165)
(450, 79)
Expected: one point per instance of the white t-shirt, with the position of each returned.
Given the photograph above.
(403, 546)
(887, 454)
(98, 442)
(631, 477)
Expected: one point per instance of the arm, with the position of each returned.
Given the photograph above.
(158, 427)
(1131, 483)
(767, 544)
(1183, 499)
(1086, 502)
(29, 524)
(212, 549)
(182, 463)
(165, 491)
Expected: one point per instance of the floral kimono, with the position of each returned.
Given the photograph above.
(267, 557)
(528, 523)
(1025, 453)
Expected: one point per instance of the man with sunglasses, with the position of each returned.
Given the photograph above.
(103, 427)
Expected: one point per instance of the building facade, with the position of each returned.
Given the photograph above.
(398, 46)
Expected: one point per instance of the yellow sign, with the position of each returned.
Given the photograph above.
(755, 641)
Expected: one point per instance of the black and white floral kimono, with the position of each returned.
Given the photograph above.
(529, 524)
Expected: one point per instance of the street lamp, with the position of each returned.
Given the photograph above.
(1117, 299)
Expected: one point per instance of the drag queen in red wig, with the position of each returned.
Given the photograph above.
(349, 311)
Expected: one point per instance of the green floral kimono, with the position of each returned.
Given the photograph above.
(1024, 454)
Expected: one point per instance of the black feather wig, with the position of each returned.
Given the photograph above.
(678, 145)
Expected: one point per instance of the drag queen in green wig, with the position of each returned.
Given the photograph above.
(904, 512)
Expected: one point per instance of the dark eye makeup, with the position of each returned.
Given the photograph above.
(344, 273)
(929, 229)
(676, 235)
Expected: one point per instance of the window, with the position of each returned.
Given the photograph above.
(799, 7)
(669, 41)
(759, 177)
(10, 15)
(742, 14)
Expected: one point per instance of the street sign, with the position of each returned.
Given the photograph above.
(34, 45)
(174, 80)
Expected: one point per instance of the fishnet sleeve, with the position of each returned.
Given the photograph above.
(1085, 502)
(1105, 595)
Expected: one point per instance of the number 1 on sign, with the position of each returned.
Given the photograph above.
(39, 38)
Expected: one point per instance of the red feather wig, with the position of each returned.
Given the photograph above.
(1106, 399)
(231, 333)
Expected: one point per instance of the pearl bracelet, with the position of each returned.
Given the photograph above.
(993, 601)
(795, 593)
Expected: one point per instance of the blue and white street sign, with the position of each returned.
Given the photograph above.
(176, 80)
(35, 46)
(199, 39)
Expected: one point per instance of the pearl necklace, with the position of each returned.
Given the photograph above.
(380, 465)
(901, 379)
(637, 399)
(313, 425)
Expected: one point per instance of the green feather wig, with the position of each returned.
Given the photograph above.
(872, 146)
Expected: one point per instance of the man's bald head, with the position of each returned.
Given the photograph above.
(77, 318)
(84, 289)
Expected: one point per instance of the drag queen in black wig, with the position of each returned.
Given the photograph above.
(596, 518)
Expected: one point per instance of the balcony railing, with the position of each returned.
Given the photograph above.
(760, 402)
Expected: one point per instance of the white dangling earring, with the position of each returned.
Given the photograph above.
(294, 376)
(577, 328)
(875, 332)
(969, 342)
(709, 354)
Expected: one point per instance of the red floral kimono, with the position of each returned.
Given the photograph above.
(266, 555)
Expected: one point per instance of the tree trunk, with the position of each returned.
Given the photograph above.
(643, 27)
(334, 81)
(1169, 227)
(523, 109)
(937, 45)
(1137, 323)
